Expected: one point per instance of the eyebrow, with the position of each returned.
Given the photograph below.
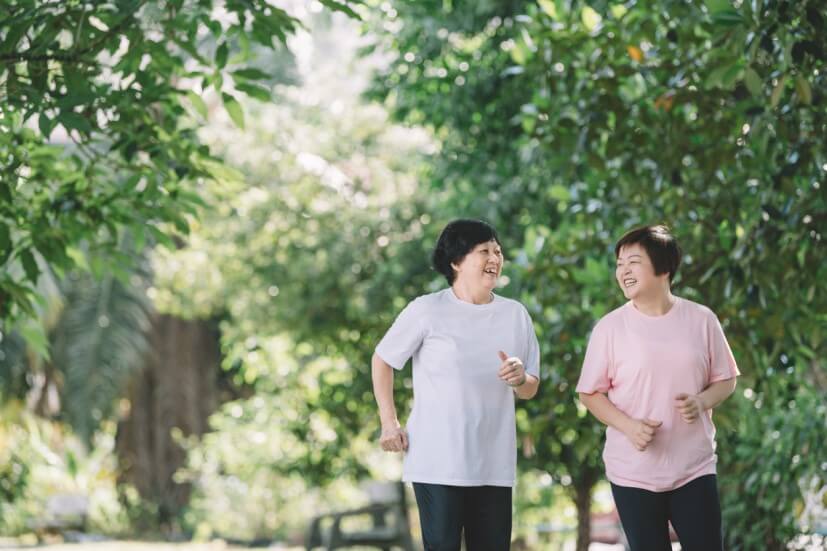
(631, 256)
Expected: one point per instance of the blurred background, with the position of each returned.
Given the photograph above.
(210, 212)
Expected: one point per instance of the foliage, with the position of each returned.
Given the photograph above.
(567, 123)
(301, 248)
(41, 459)
(100, 340)
(249, 473)
(97, 128)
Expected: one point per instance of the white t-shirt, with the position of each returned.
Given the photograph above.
(462, 429)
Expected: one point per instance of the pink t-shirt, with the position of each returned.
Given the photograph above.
(642, 363)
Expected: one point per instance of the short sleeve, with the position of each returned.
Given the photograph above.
(404, 337)
(594, 377)
(722, 364)
(532, 351)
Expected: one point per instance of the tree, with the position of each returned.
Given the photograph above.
(100, 106)
(567, 123)
(97, 129)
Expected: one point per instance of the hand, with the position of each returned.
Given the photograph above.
(512, 370)
(393, 438)
(641, 432)
(690, 406)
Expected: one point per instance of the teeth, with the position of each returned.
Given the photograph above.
(629, 282)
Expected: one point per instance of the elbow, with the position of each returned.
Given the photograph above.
(585, 398)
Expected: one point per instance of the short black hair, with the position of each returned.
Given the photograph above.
(660, 245)
(458, 239)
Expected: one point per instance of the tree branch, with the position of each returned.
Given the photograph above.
(71, 57)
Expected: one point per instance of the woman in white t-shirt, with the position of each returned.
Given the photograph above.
(473, 352)
(654, 370)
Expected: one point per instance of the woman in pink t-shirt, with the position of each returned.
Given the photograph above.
(654, 370)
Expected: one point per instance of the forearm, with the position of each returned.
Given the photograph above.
(716, 393)
(605, 411)
(382, 375)
(528, 389)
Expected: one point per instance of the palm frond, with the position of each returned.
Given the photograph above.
(100, 338)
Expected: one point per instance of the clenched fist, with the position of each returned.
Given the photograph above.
(394, 439)
(641, 432)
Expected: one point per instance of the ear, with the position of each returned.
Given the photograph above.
(455, 267)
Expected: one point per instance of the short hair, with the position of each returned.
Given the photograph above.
(458, 239)
(660, 245)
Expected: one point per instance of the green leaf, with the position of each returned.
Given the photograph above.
(591, 19)
(520, 52)
(45, 124)
(549, 7)
(254, 91)
(5, 243)
(234, 110)
(713, 79)
(559, 193)
(777, 91)
(35, 336)
(727, 18)
(197, 103)
(803, 90)
(73, 121)
(78, 258)
(251, 73)
(619, 10)
(716, 6)
(753, 82)
(221, 55)
(336, 5)
(29, 265)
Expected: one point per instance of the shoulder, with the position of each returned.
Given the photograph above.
(512, 305)
(611, 320)
(506, 302)
(697, 310)
(427, 302)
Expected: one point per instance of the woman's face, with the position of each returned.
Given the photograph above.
(481, 266)
(635, 272)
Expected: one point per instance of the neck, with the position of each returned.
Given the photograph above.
(655, 305)
(474, 295)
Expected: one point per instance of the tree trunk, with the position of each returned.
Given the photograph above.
(583, 501)
(176, 390)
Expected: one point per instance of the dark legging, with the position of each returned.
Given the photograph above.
(483, 512)
(693, 508)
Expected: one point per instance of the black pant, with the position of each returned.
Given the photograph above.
(693, 508)
(484, 512)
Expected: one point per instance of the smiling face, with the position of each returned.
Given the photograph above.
(481, 267)
(635, 273)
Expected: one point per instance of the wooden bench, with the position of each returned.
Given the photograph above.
(62, 513)
(386, 517)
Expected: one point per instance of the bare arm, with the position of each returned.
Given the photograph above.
(528, 389)
(640, 432)
(717, 392)
(691, 406)
(512, 372)
(393, 438)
